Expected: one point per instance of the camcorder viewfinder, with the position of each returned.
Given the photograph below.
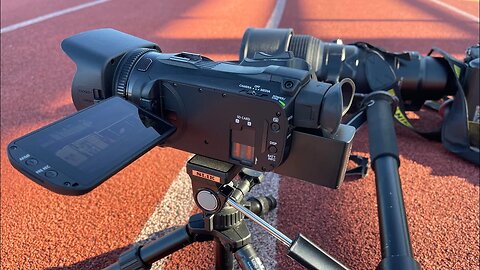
(266, 112)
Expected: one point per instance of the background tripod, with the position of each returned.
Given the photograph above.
(223, 221)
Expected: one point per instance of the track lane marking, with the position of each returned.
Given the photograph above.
(50, 16)
(457, 10)
(172, 212)
(277, 13)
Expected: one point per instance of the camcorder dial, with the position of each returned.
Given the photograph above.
(123, 72)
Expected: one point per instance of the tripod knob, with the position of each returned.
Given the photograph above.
(227, 218)
(262, 205)
(207, 200)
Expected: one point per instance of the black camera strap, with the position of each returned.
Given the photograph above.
(402, 117)
(377, 62)
(455, 127)
(454, 132)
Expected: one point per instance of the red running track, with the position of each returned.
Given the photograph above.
(42, 230)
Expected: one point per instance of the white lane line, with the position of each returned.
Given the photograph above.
(264, 243)
(457, 10)
(50, 16)
(277, 14)
(173, 211)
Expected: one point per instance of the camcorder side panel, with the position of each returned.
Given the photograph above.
(319, 160)
(219, 111)
(244, 114)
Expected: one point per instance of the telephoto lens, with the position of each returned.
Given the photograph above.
(372, 69)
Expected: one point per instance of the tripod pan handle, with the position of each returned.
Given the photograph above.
(309, 255)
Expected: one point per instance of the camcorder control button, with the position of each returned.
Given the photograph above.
(31, 162)
(98, 94)
(256, 93)
(289, 87)
(275, 127)
(272, 149)
(144, 64)
(51, 174)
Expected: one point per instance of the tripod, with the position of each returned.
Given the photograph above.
(224, 210)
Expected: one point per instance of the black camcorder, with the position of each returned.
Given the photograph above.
(266, 112)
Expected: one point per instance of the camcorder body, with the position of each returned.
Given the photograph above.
(267, 112)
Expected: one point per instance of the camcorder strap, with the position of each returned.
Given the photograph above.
(390, 83)
(455, 127)
(454, 132)
(402, 117)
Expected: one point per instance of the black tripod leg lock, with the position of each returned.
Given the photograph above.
(130, 260)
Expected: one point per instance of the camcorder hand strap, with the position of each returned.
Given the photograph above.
(455, 127)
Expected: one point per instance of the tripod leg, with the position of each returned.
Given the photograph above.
(142, 257)
(223, 257)
(247, 258)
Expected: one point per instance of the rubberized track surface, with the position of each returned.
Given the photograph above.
(42, 230)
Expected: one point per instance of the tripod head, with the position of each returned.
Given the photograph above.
(224, 208)
(205, 173)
